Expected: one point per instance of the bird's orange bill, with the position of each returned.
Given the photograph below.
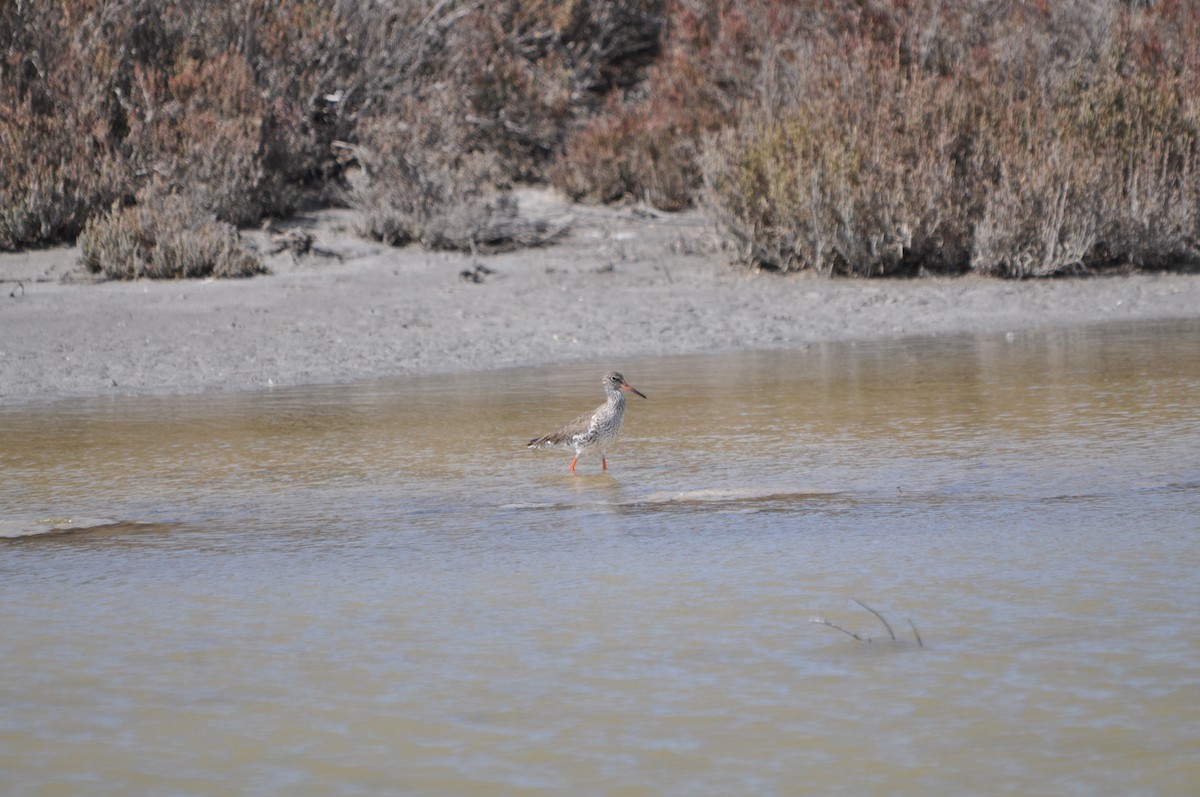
(632, 389)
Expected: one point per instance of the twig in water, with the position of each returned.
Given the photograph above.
(880, 616)
(916, 633)
(823, 621)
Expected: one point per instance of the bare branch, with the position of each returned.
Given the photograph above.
(916, 633)
(823, 621)
(877, 614)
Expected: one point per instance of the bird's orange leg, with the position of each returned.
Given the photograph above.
(572, 468)
(603, 463)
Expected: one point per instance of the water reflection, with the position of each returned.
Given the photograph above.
(377, 588)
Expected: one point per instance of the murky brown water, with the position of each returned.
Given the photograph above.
(375, 589)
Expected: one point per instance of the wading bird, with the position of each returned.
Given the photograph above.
(595, 429)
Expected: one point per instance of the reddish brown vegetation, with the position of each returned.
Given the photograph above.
(876, 137)
(1006, 138)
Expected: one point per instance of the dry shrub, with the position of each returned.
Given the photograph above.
(520, 72)
(530, 70)
(98, 98)
(1145, 133)
(623, 154)
(50, 182)
(419, 187)
(1042, 215)
(728, 60)
(1058, 150)
(1095, 173)
(57, 157)
(241, 104)
(881, 137)
(855, 181)
(647, 144)
(164, 236)
(204, 128)
(851, 152)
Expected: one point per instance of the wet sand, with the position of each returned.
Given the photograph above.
(622, 283)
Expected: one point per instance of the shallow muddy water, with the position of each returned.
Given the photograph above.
(375, 589)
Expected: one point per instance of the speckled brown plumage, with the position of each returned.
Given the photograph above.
(595, 429)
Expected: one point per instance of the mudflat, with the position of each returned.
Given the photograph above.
(622, 282)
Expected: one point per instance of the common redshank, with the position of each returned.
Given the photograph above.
(595, 429)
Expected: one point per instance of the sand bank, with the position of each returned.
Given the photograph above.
(622, 283)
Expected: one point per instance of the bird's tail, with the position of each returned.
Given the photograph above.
(552, 440)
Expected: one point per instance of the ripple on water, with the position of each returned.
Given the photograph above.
(366, 585)
(16, 527)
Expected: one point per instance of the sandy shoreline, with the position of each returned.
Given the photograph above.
(621, 284)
